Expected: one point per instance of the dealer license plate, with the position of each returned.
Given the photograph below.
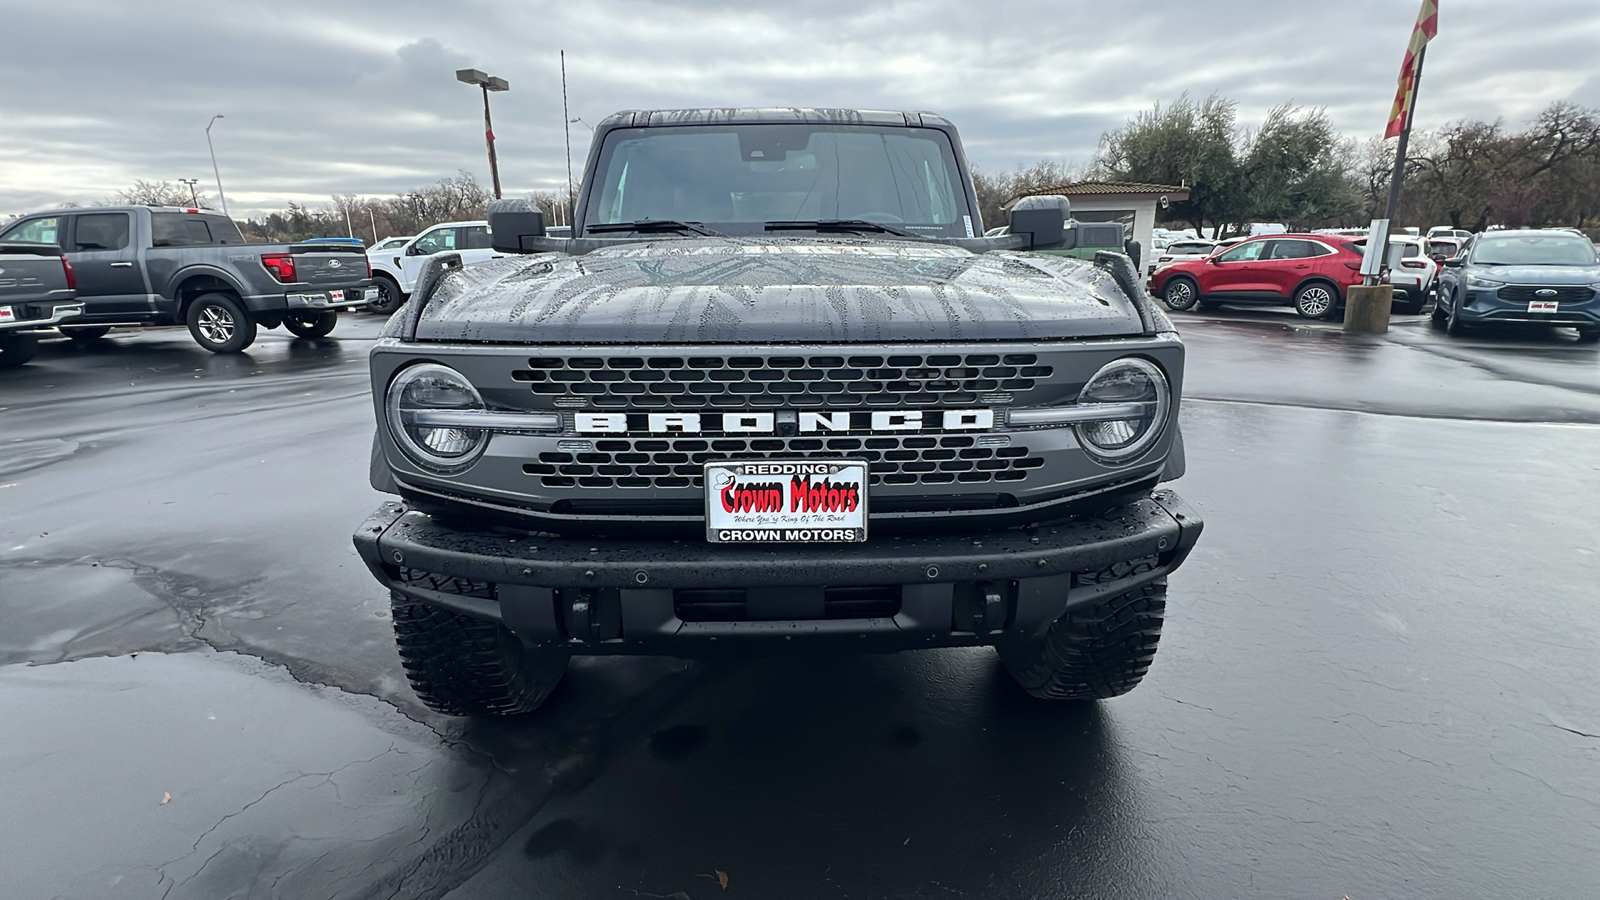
(6, 315)
(336, 296)
(1543, 306)
(786, 501)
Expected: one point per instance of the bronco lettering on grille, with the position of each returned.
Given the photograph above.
(773, 423)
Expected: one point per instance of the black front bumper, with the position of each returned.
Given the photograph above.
(632, 596)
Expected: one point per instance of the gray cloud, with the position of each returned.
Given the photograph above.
(325, 98)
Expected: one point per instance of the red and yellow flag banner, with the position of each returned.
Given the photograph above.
(1406, 96)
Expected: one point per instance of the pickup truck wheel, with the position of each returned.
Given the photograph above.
(311, 325)
(389, 296)
(1181, 294)
(85, 332)
(16, 349)
(1095, 652)
(459, 665)
(220, 323)
(1316, 301)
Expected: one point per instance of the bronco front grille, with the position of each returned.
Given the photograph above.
(765, 382)
(679, 462)
(1522, 293)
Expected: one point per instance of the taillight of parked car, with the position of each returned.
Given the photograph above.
(72, 277)
(1413, 264)
(281, 267)
(368, 260)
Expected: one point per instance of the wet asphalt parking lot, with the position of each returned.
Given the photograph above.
(1379, 677)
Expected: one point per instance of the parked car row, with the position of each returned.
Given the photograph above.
(151, 265)
(1533, 277)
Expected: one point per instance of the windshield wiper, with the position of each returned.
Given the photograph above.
(645, 226)
(837, 225)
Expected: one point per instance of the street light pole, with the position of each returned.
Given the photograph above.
(220, 195)
(374, 226)
(488, 83)
(194, 198)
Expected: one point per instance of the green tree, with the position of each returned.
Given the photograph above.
(1297, 169)
(1184, 143)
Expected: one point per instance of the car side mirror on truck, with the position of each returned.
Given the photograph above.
(512, 223)
(1043, 220)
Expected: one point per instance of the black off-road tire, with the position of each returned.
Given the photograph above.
(220, 323)
(1181, 294)
(311, 325)
(16, 349)
(1094, 652)
(389, 296)
(84, 332)
(460, 665)
(1317, 300)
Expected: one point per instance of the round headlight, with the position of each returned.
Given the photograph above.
(1135, 383)
(429, 387)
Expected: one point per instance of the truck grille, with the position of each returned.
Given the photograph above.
(1522, 293)
(766, 382)
(678, 462)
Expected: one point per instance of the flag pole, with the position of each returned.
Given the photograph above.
(1405, 139)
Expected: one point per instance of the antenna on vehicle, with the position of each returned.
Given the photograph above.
(566, 119)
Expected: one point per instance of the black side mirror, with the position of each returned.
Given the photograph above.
(1456, 262)
(1043, 219)
(416, 250)
(512, 223)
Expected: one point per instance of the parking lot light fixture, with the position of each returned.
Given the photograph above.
(214, 171)
(488, 83)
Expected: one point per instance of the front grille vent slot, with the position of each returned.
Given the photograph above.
(769, 382)
(678, 462)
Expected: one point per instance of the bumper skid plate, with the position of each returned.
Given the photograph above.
(693, 598)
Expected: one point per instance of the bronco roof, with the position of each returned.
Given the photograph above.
(648, 118)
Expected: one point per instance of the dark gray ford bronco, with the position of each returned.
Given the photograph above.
(773, 394)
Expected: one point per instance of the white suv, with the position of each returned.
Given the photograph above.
(394, 272)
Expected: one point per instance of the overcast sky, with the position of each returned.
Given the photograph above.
(349, 96)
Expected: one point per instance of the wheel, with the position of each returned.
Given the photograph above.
(459, 665)
(389, 296)
(1095, 652)
(1316, 301)
(1181, 294)
(220, 323)
(311, 325)
(1453, 325)
(1587, 335)
(84, 332)
(16, 349)
(1439, 312)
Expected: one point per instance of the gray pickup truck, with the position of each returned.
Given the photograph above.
(145, 265)
(774, 395)
(37, 287)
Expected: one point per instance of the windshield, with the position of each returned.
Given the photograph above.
(1534, 250)
(737, 178)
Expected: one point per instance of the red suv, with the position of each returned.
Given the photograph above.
(1309, 271)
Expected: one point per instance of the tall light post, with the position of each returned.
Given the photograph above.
(220, 195)
(488, 83)
(194, 197)
(374, 226)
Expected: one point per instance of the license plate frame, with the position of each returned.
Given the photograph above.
(770, 509)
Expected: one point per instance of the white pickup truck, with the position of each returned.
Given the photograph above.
(394, 272)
